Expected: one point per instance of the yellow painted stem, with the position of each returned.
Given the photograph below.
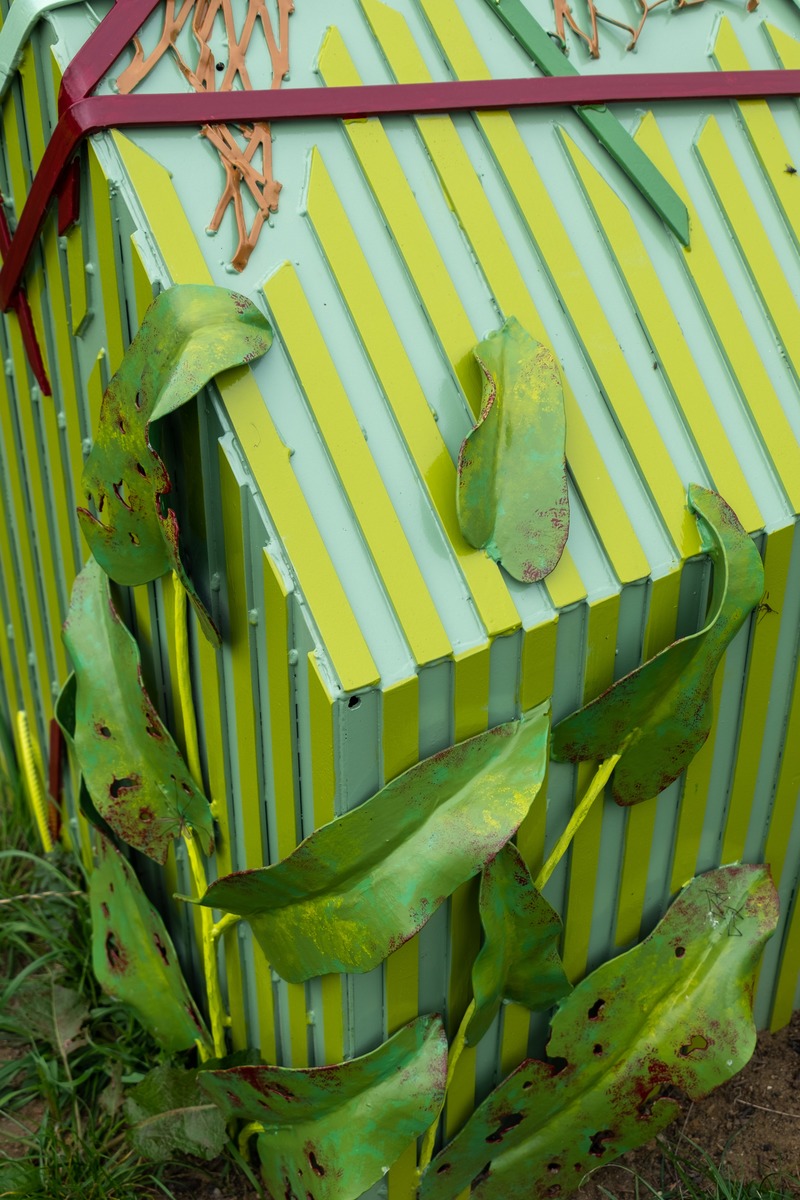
(245, 1133)
(31, 764)
(456, 1050)
(594, 789)
(216, 1012)
(224, 924)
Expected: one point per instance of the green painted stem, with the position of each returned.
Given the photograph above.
(578, 817)
(456, 1050)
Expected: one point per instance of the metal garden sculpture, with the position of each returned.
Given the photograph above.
(356, 889)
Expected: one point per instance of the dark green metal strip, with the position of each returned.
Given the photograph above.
(603, 124)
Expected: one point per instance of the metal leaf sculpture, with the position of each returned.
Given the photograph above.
(519, 959)
(331, 1132)
(512, 479)
(361, 886)
(189, 334)
(673, 1012)
(133, 956)
(135, 776)
(659, 716)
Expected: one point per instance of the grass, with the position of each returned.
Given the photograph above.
(689, 1173)
(65, 1049)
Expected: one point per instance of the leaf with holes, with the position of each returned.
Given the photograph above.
(659, 716)
(359, 887)
(133, 957)
(169, 1113)
(676, 1011)
(519, 959)
(189, 334)
(137, 780)
(331, 1132)
(512, 479)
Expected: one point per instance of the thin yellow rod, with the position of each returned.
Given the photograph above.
(30, 762)
(185, 681)
(216, 1011)
(456, 1050)
(594, 789)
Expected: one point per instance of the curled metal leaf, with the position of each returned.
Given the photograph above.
(519, 959)
(134, 774)
(676, 1011)
(331, 1132)
(659, 716)
(359, 887)
(189, 334)
(512, 479)
(133, 956)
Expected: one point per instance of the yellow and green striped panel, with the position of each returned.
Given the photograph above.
(105, 233)
(729, 327)
(357, 471)
(402, 389)
(266, 454)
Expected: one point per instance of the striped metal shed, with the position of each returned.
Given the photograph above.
(316, 487)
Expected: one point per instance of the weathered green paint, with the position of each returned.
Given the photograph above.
(659, 716)
(643, 174)
(189, 334)
(519, 959)
(512, 476)
(133, 956)
(135, 776)
(673, 1012)
(359, 887)
(331, 1132)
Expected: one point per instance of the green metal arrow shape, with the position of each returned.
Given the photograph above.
(331, 1132)
(133, 956)
(189, 334)
(512, 478)
(659, 716)
(135, 776)
(358, 888)
(673, 1012)
(519, 959)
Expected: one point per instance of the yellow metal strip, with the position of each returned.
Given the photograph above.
(587, 315)
(428, 272)
(694, 799)
(359, 476)
(105, 233)
(76, 269)
(729, 327)
(471, 713)
(765, 136)
(785, 48)
(34, 123)
(243, 726)
(13, 148)
(94, 392)
(641, 819)
(400, 742)
(323, 771)
(142, 286)
(747, 227)
(281, 719)
(601, 647)
(62, 408)
(265, 452)
(762, 660)
(661, 327)
(403, 391)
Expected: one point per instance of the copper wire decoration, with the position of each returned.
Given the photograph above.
(251, 163)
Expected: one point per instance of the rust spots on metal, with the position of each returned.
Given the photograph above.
(596, 1009)
(316, 1166)
(509, 1121)
(597, 1145)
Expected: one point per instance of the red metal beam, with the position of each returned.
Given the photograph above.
(87, 116)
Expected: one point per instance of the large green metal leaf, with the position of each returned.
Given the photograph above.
(189, 334)
(512, 479)
(331, 1132)
(133, 772)
(673, 1012)
(358, 888)
(133, 956)
(659, 716)
(519, 959)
